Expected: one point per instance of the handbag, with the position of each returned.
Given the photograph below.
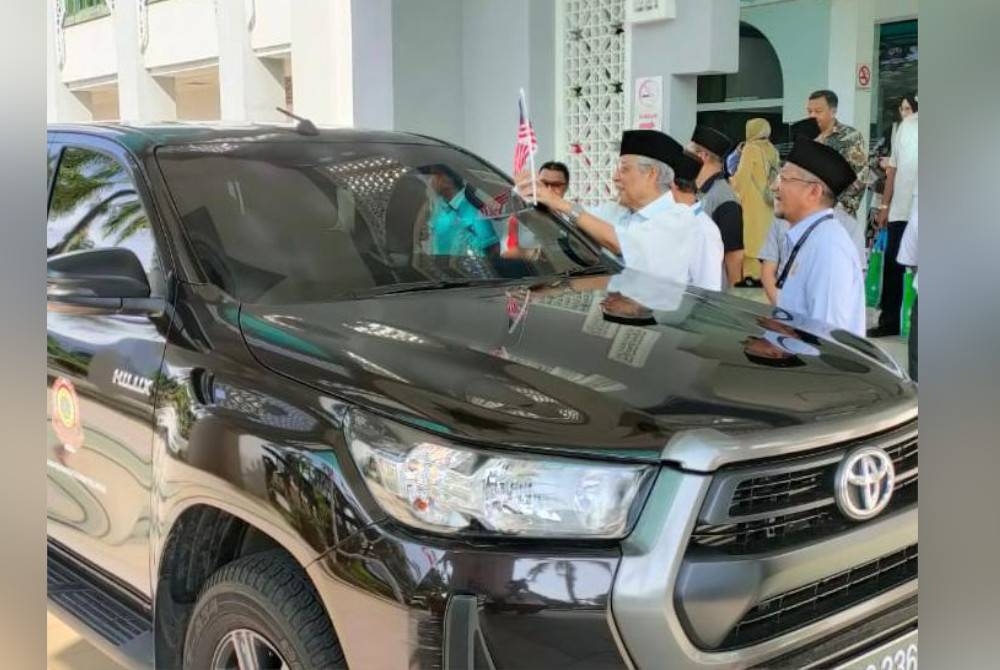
(906, 309)
(876, 260)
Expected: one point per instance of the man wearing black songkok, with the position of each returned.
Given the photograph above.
(821, 277)
(719, 199)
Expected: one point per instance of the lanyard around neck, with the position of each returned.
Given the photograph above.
(795, 250)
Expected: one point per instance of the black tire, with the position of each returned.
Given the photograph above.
(269, 594)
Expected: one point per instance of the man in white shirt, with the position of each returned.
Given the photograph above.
(900, 189)
(707, 269)
(644, 227)
(908, 256)
(821, 277)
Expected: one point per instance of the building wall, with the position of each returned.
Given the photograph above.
(371, 63)
(90, 50)
(458, 66)
(181, 31)
(702, 39)
(495, 64)
(272, 24)
(893, 10)
(543, 90)
(427, 68)
(201, 104)
(104, 103)
(799, 32)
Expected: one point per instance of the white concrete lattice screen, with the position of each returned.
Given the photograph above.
(593, 94)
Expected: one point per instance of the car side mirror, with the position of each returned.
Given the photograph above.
(96, 281)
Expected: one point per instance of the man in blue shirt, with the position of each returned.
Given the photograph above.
(457, 228)
(821, 277)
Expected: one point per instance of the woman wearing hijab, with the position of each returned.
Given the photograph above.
(759, 163)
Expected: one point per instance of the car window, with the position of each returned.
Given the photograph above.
(94, 205)
(53, 159)
(276, 222)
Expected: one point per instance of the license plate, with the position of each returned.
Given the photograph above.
(899, 654)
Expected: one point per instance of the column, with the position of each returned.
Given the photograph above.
(141, 96)
(322, 80)
(702, 39)
(249, 87)
(342, 62)
(61, 104)
(371, 60)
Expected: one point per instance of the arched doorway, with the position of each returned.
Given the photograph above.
(727, 101)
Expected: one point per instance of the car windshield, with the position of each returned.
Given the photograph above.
(282, 222)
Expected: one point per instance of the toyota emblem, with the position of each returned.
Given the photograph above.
(864, 483)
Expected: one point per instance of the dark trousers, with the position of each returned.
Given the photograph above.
(912, 344)
(892, 279)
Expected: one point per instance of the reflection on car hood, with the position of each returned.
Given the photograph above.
(615, 365)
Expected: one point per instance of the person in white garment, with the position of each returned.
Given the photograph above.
(644, 227)
(707, 269)
(821, 277)
(908, 256)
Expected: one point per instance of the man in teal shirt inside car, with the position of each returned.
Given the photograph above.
(457, 227)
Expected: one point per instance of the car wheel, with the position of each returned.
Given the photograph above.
(260, 613)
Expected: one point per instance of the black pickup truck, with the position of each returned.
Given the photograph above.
(307, 411)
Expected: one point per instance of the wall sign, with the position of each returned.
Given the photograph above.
(641, 11)
(648, 107)
(864, 76)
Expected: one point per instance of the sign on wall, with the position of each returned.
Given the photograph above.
(648, 107)
(641, 11)
(863, 76)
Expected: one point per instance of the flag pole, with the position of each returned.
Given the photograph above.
(531, 151)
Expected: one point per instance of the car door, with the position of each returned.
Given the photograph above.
(102, 369)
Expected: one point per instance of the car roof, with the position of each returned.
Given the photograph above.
(144, 137)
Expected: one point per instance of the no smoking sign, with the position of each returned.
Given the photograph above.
(864, 76)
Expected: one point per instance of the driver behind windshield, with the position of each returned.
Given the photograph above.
(457, 227)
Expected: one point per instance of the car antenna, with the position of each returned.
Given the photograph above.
(304, 126)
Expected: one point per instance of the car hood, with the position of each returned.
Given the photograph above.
(618, 366)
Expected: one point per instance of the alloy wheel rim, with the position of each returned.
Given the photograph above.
(244, 649)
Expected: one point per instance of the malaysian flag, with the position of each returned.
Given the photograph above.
(524, 153)
(527, 143)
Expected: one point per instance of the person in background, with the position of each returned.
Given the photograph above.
(523, 246)
(758, 166)
(721, 203)
(821, 276)
(555, 176)
(849, 143)
(900, 190)
(644, 226)
(770, 255)
(878, 162)
(706, 262)
(457, 228)
(908, 256)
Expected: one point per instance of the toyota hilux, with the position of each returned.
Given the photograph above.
(309, 408)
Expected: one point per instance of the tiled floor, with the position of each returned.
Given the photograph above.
(69, 651)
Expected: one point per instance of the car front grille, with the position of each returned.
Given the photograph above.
(777, 505)
(812, 602)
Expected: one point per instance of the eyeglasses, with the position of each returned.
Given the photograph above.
(553, 184)
(780, 178)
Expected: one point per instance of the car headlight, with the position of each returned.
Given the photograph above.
(426, 482)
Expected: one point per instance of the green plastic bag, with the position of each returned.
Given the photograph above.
(876, 259)
(909, 295)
